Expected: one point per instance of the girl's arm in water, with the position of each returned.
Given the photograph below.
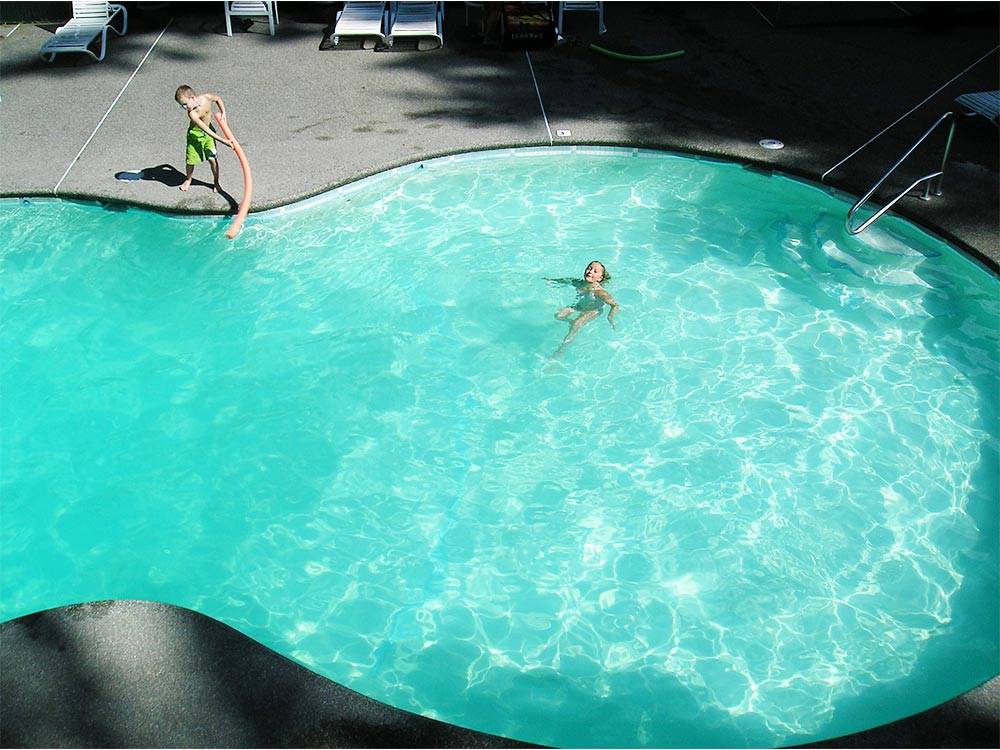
(610, 301)
(570, 282)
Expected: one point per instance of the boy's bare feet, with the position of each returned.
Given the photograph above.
(185, 185)
(216, 188)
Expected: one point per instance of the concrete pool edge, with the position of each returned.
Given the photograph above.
(128, 673)
(981, 256)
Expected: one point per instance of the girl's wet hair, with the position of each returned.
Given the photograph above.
(607, 276)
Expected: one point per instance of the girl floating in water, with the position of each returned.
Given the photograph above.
(591, 299)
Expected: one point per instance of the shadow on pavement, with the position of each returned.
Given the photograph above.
(170, 176)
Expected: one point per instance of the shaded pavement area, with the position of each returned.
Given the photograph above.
(821, 77)
(142, 674)
(824, 80)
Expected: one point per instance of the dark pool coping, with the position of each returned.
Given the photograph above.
(145, 674)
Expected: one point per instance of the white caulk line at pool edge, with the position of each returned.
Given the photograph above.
(55, 190)
(537, 91)
(9, 33)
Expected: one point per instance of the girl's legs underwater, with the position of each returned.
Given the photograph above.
(564, 313)
(574, 328)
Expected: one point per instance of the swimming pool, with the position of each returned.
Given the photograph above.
(761, 511)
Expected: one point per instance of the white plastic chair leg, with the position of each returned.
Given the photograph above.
(104, 39)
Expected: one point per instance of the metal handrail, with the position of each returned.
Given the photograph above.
(889, 127)
(878, 214)
(926, 178)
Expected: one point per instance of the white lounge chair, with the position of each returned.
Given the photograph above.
(259, 8)
(985, 103)
(360, 20)
(597, 8)
(421, 21)
(90, 21)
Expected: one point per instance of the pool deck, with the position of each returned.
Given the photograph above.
(824, 81)
(823, 78)
(143, 674)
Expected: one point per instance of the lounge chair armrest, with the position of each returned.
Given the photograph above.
(113, 10)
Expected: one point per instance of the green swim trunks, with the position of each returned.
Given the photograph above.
(200, 145)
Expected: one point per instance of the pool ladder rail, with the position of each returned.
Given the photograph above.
(932, 181)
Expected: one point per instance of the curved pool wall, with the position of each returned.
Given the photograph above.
(506, 153)
(941, 234)
(981, 255)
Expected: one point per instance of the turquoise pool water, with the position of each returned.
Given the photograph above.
(762, 511)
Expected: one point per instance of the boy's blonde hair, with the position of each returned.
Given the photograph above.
(183, 91)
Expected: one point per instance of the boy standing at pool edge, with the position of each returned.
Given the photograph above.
(200, 135)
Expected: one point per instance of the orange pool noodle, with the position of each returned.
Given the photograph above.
(241, 214)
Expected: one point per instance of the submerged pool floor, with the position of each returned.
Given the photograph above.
(758, 511)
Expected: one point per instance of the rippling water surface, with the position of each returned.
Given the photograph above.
(761, 511)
